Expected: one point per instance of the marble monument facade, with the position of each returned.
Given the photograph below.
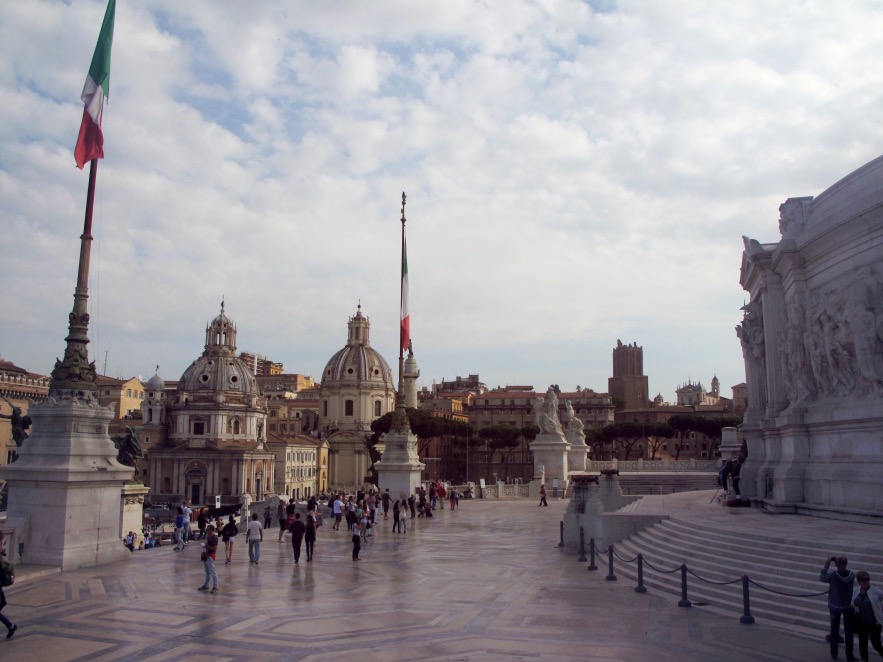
(812, 339)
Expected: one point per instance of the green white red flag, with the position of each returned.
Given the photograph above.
(405, 335)
(90, 142)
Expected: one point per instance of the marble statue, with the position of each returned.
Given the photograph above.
(548, 418)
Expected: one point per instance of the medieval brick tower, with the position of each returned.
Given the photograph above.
(628, 381)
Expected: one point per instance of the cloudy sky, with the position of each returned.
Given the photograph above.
(577, 173)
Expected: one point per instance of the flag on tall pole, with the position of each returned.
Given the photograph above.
(405, 335)
(90, 142)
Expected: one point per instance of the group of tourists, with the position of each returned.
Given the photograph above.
(859, 607)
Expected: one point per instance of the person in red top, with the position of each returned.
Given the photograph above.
(543, 495)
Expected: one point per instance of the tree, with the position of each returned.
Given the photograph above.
(656, 433)
(623, 436)
(684, 423)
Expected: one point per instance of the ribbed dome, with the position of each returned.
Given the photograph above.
(219, 369)
(219, 373)
(358, 361)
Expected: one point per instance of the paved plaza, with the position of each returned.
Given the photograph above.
(486, 582)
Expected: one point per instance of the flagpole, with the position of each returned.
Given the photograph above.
(75, 374)
(400, 418)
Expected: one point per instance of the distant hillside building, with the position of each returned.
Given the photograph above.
(629, 382)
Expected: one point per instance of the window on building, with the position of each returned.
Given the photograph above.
(198, 427)
(236, 426)
(377, 407)
(272, 427)
(325, 407)
(273, 413)
(347, 407)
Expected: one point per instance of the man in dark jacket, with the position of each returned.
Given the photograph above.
(840, 583)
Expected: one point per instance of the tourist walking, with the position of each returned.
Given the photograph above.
(543, 495)
(840, 583)
(386, 499)
(208, 559)
(337, 510)
(228, 535)
(290, 509)
(179, 530)
(10, 626)
(280, 517)
(297, 531)
(310, 536)
(412, 505)
(268, 517)
(867, 601)
(255, 537)
(188, 516)
(396, 513)
(201, 521)
(452, 498)
(356, 528)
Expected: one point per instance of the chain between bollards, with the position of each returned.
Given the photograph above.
(561, 543)
(747, 618)
(684, 602)
(582, 546)
(640, 588)
(610, 576)
(592, 565)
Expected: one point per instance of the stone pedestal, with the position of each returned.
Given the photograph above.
(729, 446)
(399, 468)
(550, 452)
(577, 455)
(132, 508)
(65, 487)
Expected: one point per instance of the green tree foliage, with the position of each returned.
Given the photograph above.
(423, 424)
(656, 433)
(622, 437)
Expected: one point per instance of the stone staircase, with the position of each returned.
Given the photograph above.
(719, 555)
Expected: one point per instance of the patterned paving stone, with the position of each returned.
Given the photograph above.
(486, 582)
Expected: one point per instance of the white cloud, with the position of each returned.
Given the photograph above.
(575, 175)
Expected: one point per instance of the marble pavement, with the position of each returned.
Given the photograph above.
(486, 582)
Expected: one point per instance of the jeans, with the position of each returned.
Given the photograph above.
(357, 545)
(864, 633)
(211, 574)
(254, 550)
(848, 618)
(179, 537)
(295, 544)
(310, 544)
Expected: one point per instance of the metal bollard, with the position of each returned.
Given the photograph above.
(582, 546)
(684, 602)
(592, 565)
(610, 576)
(640, 588)
(747, 618)
(561, 543)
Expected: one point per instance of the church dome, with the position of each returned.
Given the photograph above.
(156, 382)
(357, 384)
(219, 370)
(358, 361)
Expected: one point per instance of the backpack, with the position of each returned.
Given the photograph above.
(7, 574)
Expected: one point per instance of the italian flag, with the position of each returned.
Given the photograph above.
(90, 142)
(405, 335)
